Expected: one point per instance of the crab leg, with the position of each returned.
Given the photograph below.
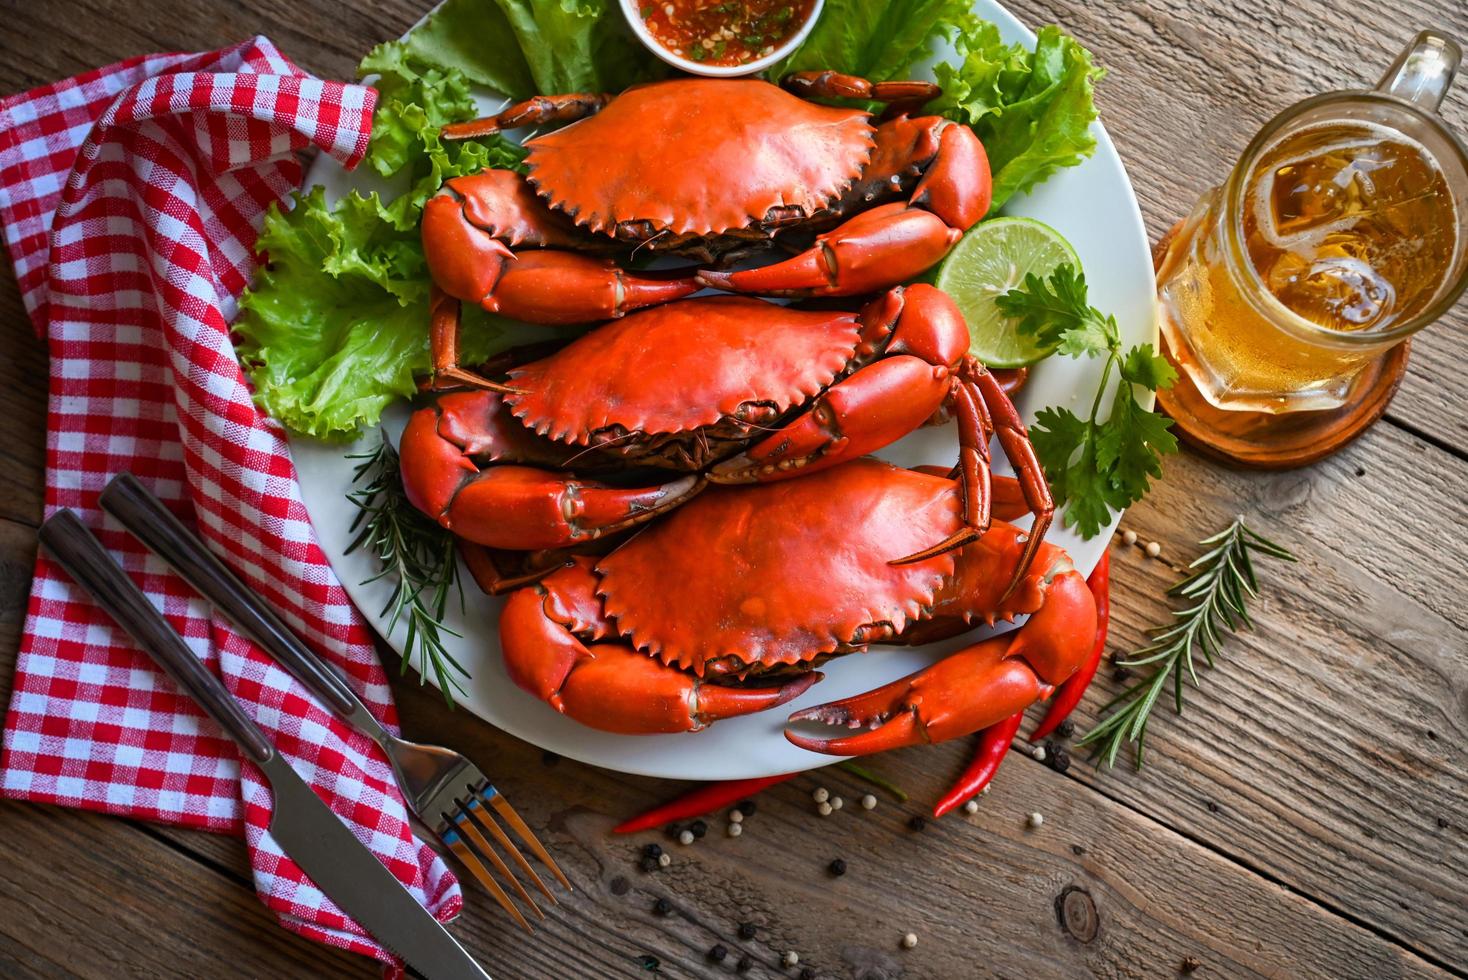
(471, 232)
(545, 631)
(978, 686)
(538, 110)
(517, 507)
(894, 242)
(890, 397)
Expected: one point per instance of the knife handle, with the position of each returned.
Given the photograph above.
(154, 524)
(98, 573)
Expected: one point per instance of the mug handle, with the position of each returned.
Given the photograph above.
(1423, 71)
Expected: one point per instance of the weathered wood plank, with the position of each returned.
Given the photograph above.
(17, 559)
(90, 896)
(1329, 743)
(23, 424)
(979, 891)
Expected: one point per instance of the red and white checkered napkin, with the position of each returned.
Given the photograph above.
(130, 199)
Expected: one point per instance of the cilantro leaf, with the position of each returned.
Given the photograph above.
(1129, 448)
(1093, 465)
(1143, 366)
(1056, 313)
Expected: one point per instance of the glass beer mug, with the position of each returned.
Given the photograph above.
(1341, 231)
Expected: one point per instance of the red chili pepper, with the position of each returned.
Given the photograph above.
(699, 802)
(1068, 695)
(993, 743)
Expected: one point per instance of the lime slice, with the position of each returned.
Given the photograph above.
(993, 258)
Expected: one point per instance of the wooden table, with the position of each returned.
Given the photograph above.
(1305, 817)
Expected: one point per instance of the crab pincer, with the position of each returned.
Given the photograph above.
(976, 687)
(526, 500)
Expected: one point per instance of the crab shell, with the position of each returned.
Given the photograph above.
(743, 580)
(682, 367)
(700, 156)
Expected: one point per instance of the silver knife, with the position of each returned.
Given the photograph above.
(304, 826)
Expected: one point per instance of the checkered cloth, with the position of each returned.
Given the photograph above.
(130, 198)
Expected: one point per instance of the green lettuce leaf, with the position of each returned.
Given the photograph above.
(416, 99)
(525, 47)
(336, 323)
(578, 45)
(1032, 110)
(877, 41)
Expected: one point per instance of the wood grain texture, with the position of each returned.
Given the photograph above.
(1304, 817)
(91, 896)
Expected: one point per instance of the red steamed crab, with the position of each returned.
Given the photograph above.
(655, 638)
(708, 168)
(739, 389)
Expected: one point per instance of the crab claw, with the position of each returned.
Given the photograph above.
(503, 505)
(972, 689)
(969, 690)
(549, 633)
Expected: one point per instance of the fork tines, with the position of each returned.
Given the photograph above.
(467, 832)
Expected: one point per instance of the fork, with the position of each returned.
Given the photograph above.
(448, 794)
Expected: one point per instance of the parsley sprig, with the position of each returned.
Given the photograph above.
(1222, 582)
(1094, 465)
(417, 555)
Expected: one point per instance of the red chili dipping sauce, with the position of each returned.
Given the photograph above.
(724, 32)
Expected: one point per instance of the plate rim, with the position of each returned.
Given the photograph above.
(365, 597)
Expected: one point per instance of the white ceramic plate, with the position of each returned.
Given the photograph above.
(1092, 205)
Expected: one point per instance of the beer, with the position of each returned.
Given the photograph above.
(1343, 227)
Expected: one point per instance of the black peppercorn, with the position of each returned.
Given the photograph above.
(662, 906)
(917, 823)
(838, 867)
(648, 962)
(653, 851)
(746, 807)
(718, 953)
(746, 930)
(699, 828)
(1066, 728)
(1059, 759)
(807, 974)
(1121, 673)
(744, 964)
(648, 863)
(1442, 823)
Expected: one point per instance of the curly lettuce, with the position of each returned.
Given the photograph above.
(1032, 110)
(335, 324)
(878, 41)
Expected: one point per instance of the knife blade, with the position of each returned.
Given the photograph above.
(300, 821)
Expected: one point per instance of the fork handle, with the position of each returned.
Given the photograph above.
(98, 573)
(155, 525)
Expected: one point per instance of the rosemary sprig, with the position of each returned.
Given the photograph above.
(417, 555)
(1222, 582)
